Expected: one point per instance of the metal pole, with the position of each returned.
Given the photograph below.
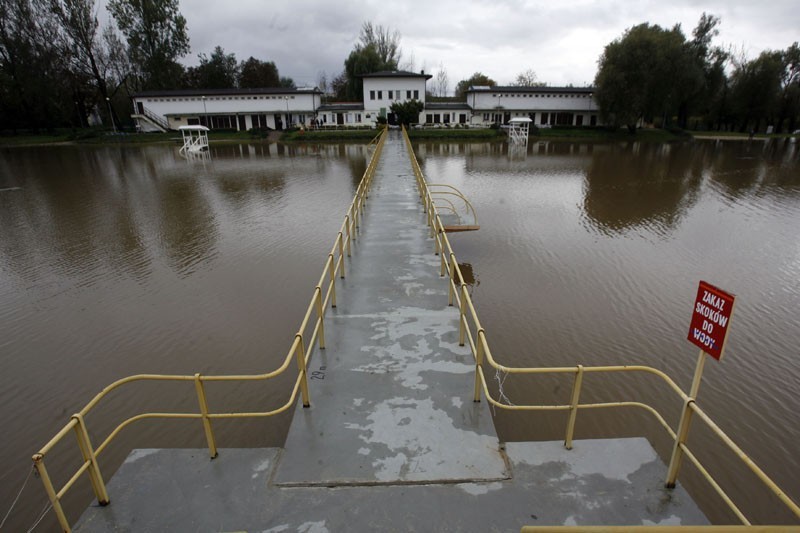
(301, 367)
(85, 445)
(201, 398)
(111, 115)
(205, 112)
(38, 463)
(683, 427)
(573, 413)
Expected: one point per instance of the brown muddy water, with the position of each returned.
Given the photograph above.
(116, 261)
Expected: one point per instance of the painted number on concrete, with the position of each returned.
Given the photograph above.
(318, 374)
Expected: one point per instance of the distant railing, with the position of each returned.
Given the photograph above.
(159, 120)
(471, 331)
(300, 350)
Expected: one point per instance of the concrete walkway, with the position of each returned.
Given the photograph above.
(392, 440)
(395, 403)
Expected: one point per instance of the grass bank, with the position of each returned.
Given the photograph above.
(329, 135)
(475, 134)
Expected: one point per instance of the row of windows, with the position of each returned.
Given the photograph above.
(218, 98)
(394, 95)
(515, 95)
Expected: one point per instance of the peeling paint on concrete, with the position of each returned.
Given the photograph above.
(477, 489)
(139, 453)
(312, 527)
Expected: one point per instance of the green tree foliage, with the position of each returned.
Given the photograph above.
(287, 83)
(254, 74)
(755, 89)
(477, 79)
(36, 86)
(217, 71)
(649, 72)
(407, 112)
(156, 35)
(378, 49)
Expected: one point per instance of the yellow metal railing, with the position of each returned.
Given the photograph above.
(312, 330)
(471, 331)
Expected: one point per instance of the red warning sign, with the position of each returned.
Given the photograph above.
(711, 319)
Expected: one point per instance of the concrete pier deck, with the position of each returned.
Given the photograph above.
(392, 440)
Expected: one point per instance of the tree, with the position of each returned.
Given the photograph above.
(441, 83)
(755, 88)
(408, 111)
(645, 74)
(527, 78)
(255, 74)
(789, 99)
(385, 41)
(477, 79)
(37, 90)
(218, 71)
(378, 49)
(287, 83)
(156, 35)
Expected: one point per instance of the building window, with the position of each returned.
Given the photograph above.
(391, 95)
(408, 95)
(372, 95)
(416, 95)
(593, 120)
(486, 117)
(437, 118)
(358, 117)
(428, 118)
(446, 118)
(544, 118)
(380, 95)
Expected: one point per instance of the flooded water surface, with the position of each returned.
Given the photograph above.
(123, 260)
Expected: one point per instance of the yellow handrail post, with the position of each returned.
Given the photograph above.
(321, 318)
(573, 407)
(201, 399)
(441, 253)
(38, 463)
(87, 451)
(683, 427)
(301, 367)
(349, 237)
(462, 326)
(341, 255)
(333, 280)
(451, 289)
(478, 362)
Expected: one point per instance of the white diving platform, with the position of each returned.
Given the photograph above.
(518, 131)
(195, 139)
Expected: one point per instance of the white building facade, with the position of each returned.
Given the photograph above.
(236, 109)
(382, 89)
(545, 106)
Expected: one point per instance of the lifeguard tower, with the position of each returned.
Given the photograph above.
(195, 139)
(518, 131)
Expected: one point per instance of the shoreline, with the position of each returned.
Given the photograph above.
(338, 136)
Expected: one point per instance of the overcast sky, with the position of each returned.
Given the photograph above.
(560, 40)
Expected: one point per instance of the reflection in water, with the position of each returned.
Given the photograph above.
(123, 260)
(469, 276)
(641, 184)
(591, 253)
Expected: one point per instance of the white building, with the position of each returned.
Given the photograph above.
(555, 106)
(279, 108)
(382, 89)
(237, 109)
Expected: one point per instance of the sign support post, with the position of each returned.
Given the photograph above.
(713, 310)
(686, 420)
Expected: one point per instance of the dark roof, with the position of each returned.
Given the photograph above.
(214, 92)
(397, 74)
(341, 106)
(446, 105)
(516, 89)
